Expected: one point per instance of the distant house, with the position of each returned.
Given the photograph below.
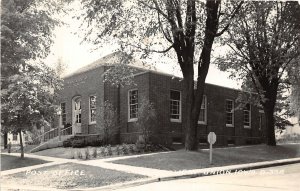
(85, 92)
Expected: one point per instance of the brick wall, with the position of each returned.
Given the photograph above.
(156, 87)
(84, 85)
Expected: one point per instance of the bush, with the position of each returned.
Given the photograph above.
(78, 143)
(124, 149)
(109, 151)
(95, 153)
(79, 155)
(87, 154)
(118, 151)
(67, 143)
(102, 151)
(96, 142)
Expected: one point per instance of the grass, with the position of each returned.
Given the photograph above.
(59, 152)
(69, 176)
(12, 162)
(184, 160)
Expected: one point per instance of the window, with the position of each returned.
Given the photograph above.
(202, 115)
(229, 113)
(63, 114)
(133, 105)
(261, 113)
(77, 108)
(175, 106)
(15, 137)
(92, 118)
(247, 116)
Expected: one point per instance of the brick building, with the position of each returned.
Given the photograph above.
(85, 92)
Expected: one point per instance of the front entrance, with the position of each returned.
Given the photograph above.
(76, 115)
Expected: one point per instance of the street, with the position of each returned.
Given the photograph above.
(274, 178)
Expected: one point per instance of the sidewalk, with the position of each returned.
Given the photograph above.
(152, 174)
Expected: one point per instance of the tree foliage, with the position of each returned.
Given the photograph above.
(264, 41)
(184, 30)
(146, 119)
(28, 86)
(109, 120)
(26, 32)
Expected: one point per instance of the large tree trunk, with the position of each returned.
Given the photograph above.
(270, 126)
(21, 144)
(5, 140)
(190, 120)
(269, 108)
(194, 98)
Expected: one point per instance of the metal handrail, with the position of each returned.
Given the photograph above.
(44, 135)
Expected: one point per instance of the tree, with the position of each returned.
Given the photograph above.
(26, 32)
(263, 42)
(109, 121)
(146, 119)
(185, 28)
(60, 67)
(29, 99)
(26, 36)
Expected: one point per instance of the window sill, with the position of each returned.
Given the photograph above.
(132, 120)
(201, 122)
(229, 125)
(175, 120)
(247, 127)
(92, 123)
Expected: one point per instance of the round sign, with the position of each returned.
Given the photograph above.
(211, 137)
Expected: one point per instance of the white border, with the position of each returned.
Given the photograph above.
(128, 105)
(229, 125)
(90, 122)
(175, 120)
(205, 113)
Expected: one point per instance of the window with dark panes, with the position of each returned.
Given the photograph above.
(133, 104)
(175, 105)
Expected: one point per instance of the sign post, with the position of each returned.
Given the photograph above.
(211, 138)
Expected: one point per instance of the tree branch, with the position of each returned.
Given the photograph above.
(230, 20)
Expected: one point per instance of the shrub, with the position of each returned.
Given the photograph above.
(118, 151)
(95, 153)
(79, 155)
(131, 149)
(78, 143)
(67, 143)
(109, 150)
(140, 145)
(87, 154)
(102, 151)
(124, 149)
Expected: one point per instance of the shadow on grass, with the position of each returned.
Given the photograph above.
(188, 160)
(11, 162)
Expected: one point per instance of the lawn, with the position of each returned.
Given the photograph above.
(11, 162)
(69, 176)
(184, 160)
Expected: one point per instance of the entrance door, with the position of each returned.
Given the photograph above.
(76, 115)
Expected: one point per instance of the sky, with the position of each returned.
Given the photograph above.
(69, 48)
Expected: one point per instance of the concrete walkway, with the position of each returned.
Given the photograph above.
(152, 174)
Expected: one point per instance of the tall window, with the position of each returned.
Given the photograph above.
(92, 109)
(133, 104)
(203, 114)
(63, 114)
(175, 106)
(229, 113)
(15, 137)
(247, 116)
(261, 113)
(77, 108)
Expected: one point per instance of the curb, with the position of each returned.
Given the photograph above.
(245, 167)
(206, 172)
